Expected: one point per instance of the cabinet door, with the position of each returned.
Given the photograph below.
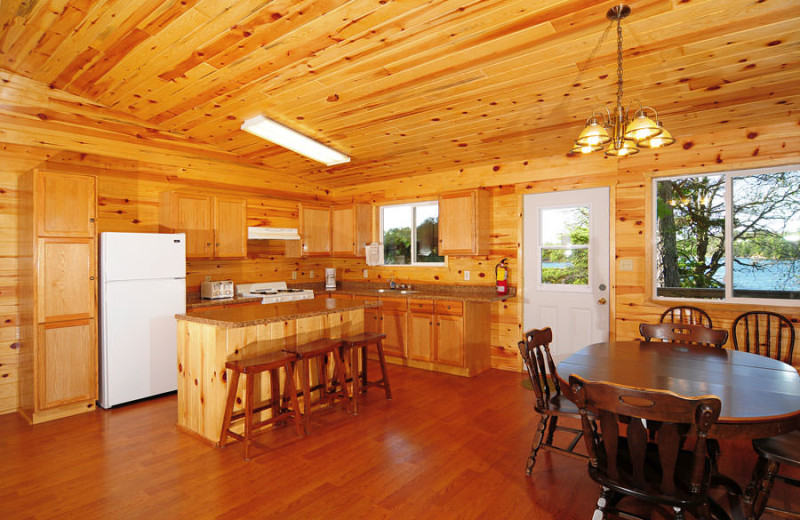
(66, 279)
(66, 363)
(457, 224)
(343, 240)
(420, 336)
(230, 227)
(66, 204)
(450, 340)
(316, 231)
(372, 320)
(194, 215)
(393, 324)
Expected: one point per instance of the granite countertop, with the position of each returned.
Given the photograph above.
(249, 315)
(426, 292)
(195, 301)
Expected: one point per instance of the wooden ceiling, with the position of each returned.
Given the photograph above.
(407, 87)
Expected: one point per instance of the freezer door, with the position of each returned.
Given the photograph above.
(141, 256)
(138, 351)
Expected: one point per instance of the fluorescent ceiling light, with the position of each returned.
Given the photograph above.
(295, 141)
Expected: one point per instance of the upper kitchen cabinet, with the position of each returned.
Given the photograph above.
(215, 226)
(315, 223)
(464, 223)
(57, 295)
(67, 204)
(351, 229)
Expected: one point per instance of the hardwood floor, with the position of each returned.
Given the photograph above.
(445, 447)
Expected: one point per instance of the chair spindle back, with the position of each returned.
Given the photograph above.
(535, 351)
(766, 333)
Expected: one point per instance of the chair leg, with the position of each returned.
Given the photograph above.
(537, 442)
(602, 502)
(356, 377)
(763, 479)
(233, 385)
(292, 391)
(275, 397)
(384, 373)
(248, 414)
(551, 429)
(305, 376)
(340, 367)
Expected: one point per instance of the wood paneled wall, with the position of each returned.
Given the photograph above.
(43, 127)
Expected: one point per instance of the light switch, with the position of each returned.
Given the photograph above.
(311, 273)
(366, 274)
(294, 275)
(626, 264)
(466, 275)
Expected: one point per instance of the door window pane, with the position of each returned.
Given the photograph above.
(564, 248)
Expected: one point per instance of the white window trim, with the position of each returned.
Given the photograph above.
(413, 263)
(728, 279)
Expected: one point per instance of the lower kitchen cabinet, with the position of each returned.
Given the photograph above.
(449, 336)
(67, 364)
(394, 315)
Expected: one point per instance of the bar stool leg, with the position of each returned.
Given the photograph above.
(233, 385)
(248, 424)
(386, 388)
(305, 375)
(338, 353)
(356, 377)
(290, 388)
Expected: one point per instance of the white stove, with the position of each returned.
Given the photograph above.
(273, 292)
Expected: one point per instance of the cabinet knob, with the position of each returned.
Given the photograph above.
(91, 220)
(208, 243)
(91, 278)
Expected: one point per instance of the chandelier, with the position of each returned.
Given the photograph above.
(626, 130)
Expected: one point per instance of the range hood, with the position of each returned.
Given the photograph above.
(271, 233)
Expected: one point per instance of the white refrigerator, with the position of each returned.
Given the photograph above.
(142, 288)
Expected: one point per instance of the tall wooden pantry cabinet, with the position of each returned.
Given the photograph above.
(58, 295)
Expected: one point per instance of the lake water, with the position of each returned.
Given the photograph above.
(765, 275)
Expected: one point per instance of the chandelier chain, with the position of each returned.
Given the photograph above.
(619, 64)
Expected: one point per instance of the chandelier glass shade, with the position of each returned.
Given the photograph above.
(626, 130)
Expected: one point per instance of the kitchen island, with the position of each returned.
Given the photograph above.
(207, 339)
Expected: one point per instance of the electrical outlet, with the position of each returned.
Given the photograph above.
(466, 275)
(311, 274)
(626, 264)
(294, 275)
(208, 278)
(365, 273)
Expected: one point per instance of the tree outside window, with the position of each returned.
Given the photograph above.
(411, 234)
(762, 212)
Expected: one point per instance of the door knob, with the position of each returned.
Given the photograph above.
(601, 301)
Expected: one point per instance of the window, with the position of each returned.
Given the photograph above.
(411, 234)
(564, 245)
(728, 237)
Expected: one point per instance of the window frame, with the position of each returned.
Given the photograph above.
(728, 298)
(413, 205)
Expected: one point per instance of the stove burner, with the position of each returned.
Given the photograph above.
(290, 290)
(265, 291)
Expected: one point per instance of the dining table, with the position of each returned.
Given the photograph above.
(760, 396)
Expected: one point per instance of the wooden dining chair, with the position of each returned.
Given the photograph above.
(636, 447)
(683, 333)
(772, 452)
(551, 404)
(766, 333)
(686, 314)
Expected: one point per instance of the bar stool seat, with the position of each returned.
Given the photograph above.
(361, 382)
(320, 349)
(251, 367)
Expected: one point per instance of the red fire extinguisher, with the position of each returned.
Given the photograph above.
(501, 275)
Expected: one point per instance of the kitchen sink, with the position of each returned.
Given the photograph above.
(397, 291)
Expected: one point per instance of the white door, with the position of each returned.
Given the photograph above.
(566, 267)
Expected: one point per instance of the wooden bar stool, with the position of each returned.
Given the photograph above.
(361, 382)
(251, 368)
(319, 350)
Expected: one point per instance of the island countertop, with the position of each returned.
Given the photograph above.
(249, 315)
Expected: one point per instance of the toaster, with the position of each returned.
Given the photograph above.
(216, 290)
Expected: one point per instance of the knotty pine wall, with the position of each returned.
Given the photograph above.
(40, 127)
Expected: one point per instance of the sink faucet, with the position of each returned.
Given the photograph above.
(392, 283)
